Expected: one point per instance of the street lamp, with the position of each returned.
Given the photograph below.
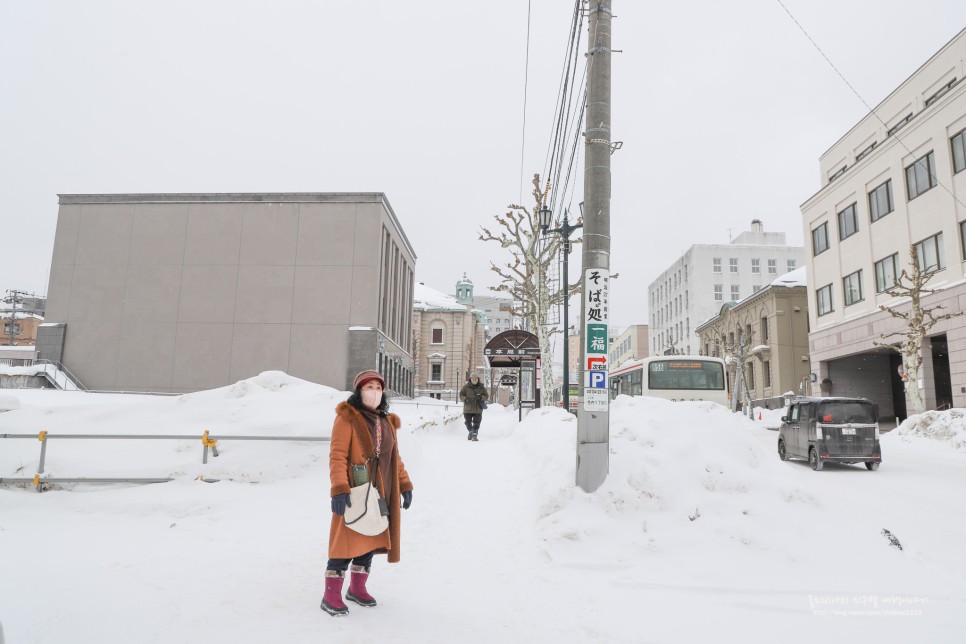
(546, 217)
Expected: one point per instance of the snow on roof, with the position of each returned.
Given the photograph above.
(426, 299)
(21, 348)
(791, 278)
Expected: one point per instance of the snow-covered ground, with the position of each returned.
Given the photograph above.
(700, 532)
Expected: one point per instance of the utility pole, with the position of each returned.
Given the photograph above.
(593, 415)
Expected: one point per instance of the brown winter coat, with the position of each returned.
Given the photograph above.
(351, 444)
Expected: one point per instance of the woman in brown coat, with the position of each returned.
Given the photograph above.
(364, 433)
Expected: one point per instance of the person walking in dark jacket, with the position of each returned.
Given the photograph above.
(473, 396)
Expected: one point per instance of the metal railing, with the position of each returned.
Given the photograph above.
(60, 376)
(207, 442)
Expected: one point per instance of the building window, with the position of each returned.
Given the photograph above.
(756, 266)
(852, 288)
(716, 264)
(718, 294)
(773, 267)
(750, 375)
(838, 173)
(823, 300)
(880, 200)
(766, 372)
(886, 272)
(790, 264)
(436, 372)
(958, 143)
(898, 126)
(930, 253)
(764, 329)
(861, 155)
(735, 290)
(437, 335)
(921, 176)
(962, 237)
(848, 222)
(941, 92)
(820, 239)
(733, 264)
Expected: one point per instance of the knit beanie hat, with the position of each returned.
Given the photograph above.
(365, 376)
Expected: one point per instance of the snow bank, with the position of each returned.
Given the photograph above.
(944, 427)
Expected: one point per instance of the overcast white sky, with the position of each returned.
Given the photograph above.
(723, 108)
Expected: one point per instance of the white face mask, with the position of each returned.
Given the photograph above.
(371, 398)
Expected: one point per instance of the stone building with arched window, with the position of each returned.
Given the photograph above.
(448, 340)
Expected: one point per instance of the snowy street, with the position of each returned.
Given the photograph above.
(699, 532)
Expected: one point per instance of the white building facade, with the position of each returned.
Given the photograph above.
(895, 180)
(695, 286)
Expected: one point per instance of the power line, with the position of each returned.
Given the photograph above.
(526, 83)
(859, 96)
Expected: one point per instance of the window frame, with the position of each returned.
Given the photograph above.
(732, 264)
(843, 216)
(959, 160)
(735, 292)
(874, 214)
(719, 292)
(928, 161)
(442, 334)
(880, 286)
(818, 301)
(962, 239)
(824, 228)
(937, 244)
(851, 283)
(756, 266)
(716, 265)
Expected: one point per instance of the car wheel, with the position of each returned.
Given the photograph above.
(814, 460)
(872, 465)
(782, 454)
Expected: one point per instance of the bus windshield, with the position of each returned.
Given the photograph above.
(685, 374)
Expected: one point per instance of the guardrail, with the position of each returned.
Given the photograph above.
(60, 376)
(207, 442)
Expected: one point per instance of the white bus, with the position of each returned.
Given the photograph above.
(672, 378)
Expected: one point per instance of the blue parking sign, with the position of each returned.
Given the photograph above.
(597, 379)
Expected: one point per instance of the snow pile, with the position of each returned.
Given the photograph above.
(697, 510)
(948, 427)
(30, 370)
(9, 403)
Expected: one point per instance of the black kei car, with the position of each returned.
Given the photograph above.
(830, 430)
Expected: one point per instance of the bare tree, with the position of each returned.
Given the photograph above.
(917, 320)
(735, 347)
(525, 277)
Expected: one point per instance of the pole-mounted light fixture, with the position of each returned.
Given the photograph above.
(545, 216)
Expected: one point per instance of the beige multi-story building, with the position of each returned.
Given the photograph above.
(773, 325)
(448, 342)
(894, 181)
(182, 292)
(631, 344)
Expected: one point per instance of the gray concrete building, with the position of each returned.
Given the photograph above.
(183, 292)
